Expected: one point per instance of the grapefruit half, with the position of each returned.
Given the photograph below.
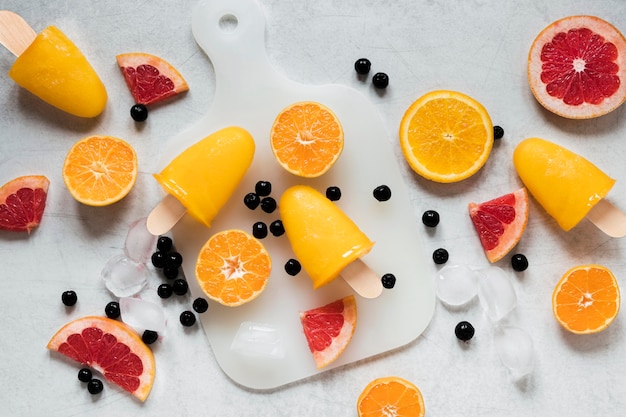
(500, 222)
(577, 67)
(329, 329)
(110, 347)
(22, 202)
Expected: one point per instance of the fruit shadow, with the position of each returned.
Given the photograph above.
(595, 342)
(98, 221)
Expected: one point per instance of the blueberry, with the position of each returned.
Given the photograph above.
(259, 230)
(112, 310)
(158, 259)
(519, 262)
(382, 193)
(498, 132)
(430, 218)
(200, 305)
(440, 256)
(173, 260)
(263, 188)
(464, 331)
(277, 228)
(149, 337)
(187, 318)
(170, 272)
(84, 375)
(333, 193)
(69, 298)
(362, 66)
(388, 281)
(251, 200)
(180, 287)
(380, 80)
(293, 267)
(95, 386)
(164, 244)
(165, 290)
(268, 205)
(139, 113)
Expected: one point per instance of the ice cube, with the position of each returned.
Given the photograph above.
(124, 277)
(515, 349)
(140, 244)
(142, 315)
(456, 284)
(258, 340)
(495, 292)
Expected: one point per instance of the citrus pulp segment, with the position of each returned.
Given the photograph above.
(111, 348)
(233, 267)
(500, 223)
(586, 299)
(577, 67)
(100, 170)
(446, 136)
(390, 397)
(149, 78)
(306, 139)
(329, 329)
(22, 203)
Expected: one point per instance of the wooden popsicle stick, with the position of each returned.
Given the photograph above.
(608, 218)
(15, 33)
(362, 279)
(165, 215)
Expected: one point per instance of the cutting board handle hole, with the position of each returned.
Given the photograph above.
(228, 23)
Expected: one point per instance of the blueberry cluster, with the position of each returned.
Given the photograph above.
(94, 385)
(261, 198)
(362, 67)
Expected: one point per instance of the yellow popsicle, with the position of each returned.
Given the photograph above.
(205, 175)
(323, 238)
(564, 183)
(56, 71)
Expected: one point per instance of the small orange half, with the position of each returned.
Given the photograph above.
(390, 396)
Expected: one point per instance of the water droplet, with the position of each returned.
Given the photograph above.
(124, 277)
(495, 292)
(258, 339)
(515, 349)
(456, 284)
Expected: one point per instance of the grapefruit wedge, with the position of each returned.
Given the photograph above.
(500, 222)
(577, 67)
(150, 79)
(22, 202)
(111, 348)
(329, 329)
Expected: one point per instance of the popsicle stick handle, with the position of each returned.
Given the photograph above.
(15, 33)
(608, 218)
(165, 215)
(362, 279)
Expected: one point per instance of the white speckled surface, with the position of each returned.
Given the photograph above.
(478, 47)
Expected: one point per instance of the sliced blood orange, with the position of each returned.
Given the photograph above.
(577, 67)
(22, 202)
(111, 348)
(390, 396)
(150, 78)
(500, 222)
(329, 329)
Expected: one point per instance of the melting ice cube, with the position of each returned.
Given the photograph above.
(515, 349)
(142, 315)
(124, 277)
(456, 284)
(140, 244)
(258, 339)
(495, 292)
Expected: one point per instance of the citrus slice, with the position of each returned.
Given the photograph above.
(149, 78)
(233, 267)
(111, 348)
(22, 202)
(307, 139)
(100, 170)
(586, 299)
(577, 67)
(390, 396)
(446, 136)
(329, 329)
(500, 222)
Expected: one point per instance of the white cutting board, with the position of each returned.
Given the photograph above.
(249, 93)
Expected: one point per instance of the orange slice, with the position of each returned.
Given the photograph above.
(500, 222)
(390, 396)
(22, 202)
(307, 139)
(577, 67)
(100, 170)
(233, 268)
(111, 348)
(446, 136)
(586, 299)
(329, 329)
(149, 78)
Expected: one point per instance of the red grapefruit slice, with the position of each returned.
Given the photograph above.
(150, 79)
(500, 222)
(329, 329)
(22, 202)
(111, 348)
(577, 67)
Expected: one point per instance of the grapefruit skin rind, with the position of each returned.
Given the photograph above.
(535, 66)
(34, 188)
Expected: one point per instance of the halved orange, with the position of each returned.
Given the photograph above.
(446, 136)
(586, 299)
(390, 396)
(100, 170)
(149, 78)
(22, 202)
(329, 329)
(500, 222)
(307, 139)
(233, 267)
(110, 347)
